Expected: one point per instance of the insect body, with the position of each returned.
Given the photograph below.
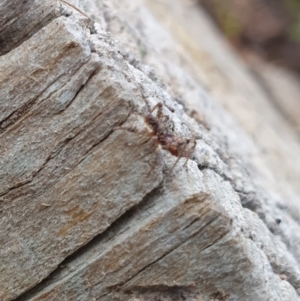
(176, 146)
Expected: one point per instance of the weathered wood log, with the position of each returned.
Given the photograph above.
(92, 206)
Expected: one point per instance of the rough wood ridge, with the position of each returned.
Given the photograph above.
(91, 207)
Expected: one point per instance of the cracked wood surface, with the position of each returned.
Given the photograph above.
(90, 204)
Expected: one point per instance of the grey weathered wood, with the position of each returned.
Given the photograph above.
(19, 20)
(80, 168)
(58, 189)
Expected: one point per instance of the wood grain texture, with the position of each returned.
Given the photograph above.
(91, 206)
(58, 182)
(19, 20)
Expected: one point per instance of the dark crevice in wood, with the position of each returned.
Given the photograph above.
(51, 157)
(65, 142)
(16, 14)
(116, 227)
(7, 35)
(195, 220)
(43, 23)
(253, 205)
(93, 74)
(173, 250)
(16, 115)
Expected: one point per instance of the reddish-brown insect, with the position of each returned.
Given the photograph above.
(179, 147)
(176, 146)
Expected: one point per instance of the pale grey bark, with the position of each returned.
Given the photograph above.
(91, 205)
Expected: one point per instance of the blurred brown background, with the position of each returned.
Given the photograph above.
(269, 28)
